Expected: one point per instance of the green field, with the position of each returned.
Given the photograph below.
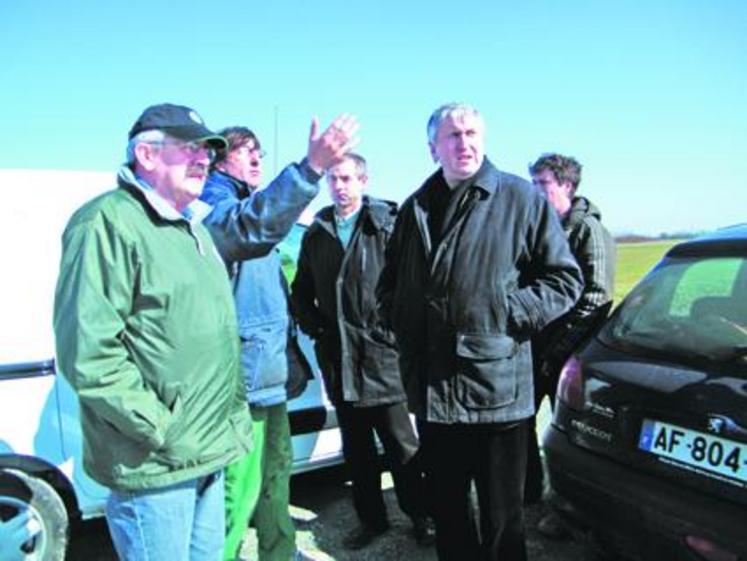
(634, 260)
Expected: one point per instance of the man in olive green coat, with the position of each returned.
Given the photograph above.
(146, 333)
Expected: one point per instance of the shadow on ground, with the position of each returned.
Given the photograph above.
(322, 509)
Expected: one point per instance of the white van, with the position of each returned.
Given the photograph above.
(40, 438)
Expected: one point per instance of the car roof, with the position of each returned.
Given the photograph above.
(731, 240)
(37, 204)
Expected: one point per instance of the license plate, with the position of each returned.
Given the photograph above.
(698, 451)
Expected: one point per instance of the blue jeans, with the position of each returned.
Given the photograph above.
(182, 522)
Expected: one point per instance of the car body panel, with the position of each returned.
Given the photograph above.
(655, 448)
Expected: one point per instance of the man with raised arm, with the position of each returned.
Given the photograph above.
(247, 223)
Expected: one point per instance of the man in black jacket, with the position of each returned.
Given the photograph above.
(342, 254)
(477, 263)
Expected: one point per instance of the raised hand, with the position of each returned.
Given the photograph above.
(330, 147)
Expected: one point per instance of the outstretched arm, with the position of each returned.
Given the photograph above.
(249, 227)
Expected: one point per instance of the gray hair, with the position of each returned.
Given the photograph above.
(361, 168)
(446, 111)
(153, 135)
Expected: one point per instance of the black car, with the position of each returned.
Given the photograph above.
(648, 444)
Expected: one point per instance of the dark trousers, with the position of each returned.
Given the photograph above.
(535, 479)
(392, 425)
(494, 458)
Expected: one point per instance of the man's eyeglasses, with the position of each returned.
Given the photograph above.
(251, 151)
(192, 148)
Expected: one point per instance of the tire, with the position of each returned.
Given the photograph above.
(22, 492)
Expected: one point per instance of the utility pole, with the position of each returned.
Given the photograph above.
(275, 147)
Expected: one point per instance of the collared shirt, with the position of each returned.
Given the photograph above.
(345, 226)
(194, 213)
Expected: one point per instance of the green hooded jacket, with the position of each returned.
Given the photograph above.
(145, 332)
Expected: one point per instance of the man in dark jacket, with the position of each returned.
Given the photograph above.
(594, 249)
(342, 254)
(247, 223)
(477, 263)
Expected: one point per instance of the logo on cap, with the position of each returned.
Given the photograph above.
(195, 117)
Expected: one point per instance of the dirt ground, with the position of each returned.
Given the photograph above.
(323, 512)
(322, 509)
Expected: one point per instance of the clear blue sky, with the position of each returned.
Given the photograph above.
(648, 95)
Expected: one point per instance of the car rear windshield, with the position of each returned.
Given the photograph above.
(690, 310)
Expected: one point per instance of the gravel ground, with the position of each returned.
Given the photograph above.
(323, 513)
(322, 509)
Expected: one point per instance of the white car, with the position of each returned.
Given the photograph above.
(40, 437)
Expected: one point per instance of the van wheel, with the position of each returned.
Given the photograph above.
(24, 495)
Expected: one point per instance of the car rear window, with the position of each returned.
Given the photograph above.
(688, 310)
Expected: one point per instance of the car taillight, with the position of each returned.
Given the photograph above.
(571, 384)
(709, 550)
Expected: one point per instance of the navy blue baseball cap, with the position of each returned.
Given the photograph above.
(178, 121)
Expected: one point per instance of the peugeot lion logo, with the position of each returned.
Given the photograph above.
(715, 424)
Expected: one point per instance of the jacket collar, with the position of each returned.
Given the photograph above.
(485, 182)
(487, 179)
(581, 207)
(374, 211)
(378, 212)
(241, 188)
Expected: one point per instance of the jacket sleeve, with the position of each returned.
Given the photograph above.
(595, 253)
(94, 294)
(303, 294)
(550, 280)
(252, 226)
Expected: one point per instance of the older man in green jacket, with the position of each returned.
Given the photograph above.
(146, 333)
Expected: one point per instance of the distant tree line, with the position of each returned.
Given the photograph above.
(635, 238)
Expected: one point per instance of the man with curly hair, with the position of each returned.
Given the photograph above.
(594, 249)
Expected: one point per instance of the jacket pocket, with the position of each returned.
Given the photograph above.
(252, 351)
(379, 378)
(179, 447)
(486, 370)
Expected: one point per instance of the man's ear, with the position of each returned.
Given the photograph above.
(432, 148)
(145, 154)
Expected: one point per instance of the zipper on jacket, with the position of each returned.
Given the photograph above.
(192, 232)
